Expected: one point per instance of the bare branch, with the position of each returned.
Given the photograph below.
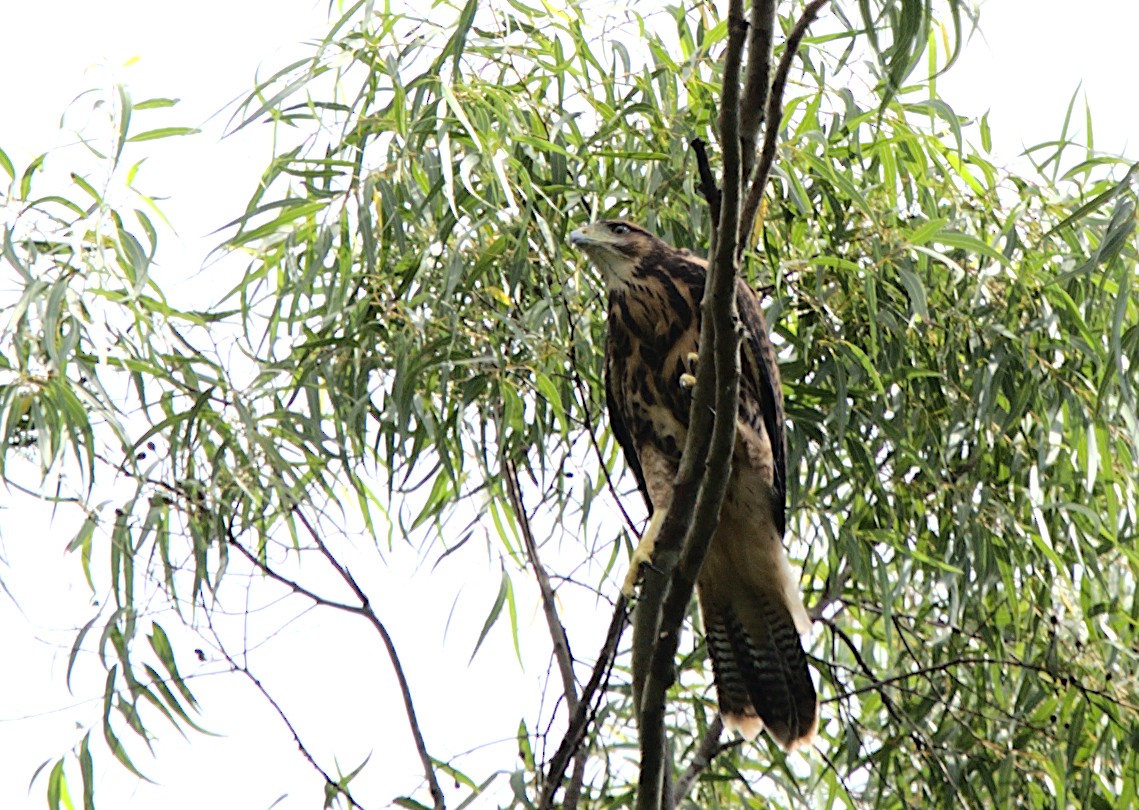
(898, 716)
(404, 688)
(832, 594)
(924, 672)
(706, 462)
(295, 587)
(558, 637)
(585, 713)
(757, 80)
(244, 670)
(549, 606)
(590, 430)
(708, 185)
(772, 116)
(710, 747)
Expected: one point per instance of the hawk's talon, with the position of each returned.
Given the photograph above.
(688, 378)
(643, 553)
(629, 588)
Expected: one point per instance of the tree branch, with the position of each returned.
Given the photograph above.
(405, 690)
(916, 734)
(772, 116)
(708, 186)
(924, 672)
(589, 427)
(832, 594)
(558, 637)
(710, 747)
(295, 587)
(706, 462)
(757, 80)
(549, 607)
(585, 713)
(244, 670)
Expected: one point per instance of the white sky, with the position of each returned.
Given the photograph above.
(1031, 59)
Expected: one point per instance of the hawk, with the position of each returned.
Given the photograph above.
(749, 597)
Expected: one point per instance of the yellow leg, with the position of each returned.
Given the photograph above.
(643, 553)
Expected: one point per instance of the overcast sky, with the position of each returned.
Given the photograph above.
(1031, 58)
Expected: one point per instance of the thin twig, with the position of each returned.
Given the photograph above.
(772, 118)
(579, 722)
(832, 594)
(916, 734)
(404, 687)
(590, 431)
(887, 702)
(923, 672)
(244, 670)
(549, 607)
(294, 586)
(558, 636)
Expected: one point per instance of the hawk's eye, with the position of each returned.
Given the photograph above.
(619, 228)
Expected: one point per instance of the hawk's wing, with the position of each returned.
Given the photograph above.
(759, 380)
(623, 436)
(760, 389)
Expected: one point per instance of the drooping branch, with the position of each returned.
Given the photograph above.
(292, 585)
(549, 606)
(590, 430)
(706, 460)
(772, 116)
(980, 660)
(832, 595)
(899, 717)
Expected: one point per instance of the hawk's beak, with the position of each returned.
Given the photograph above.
(579, 237)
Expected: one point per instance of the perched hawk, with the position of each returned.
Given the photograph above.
(749, 597)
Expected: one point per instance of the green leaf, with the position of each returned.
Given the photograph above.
(109, 736)
(409, 804)
(26, 177)
(524, 749)
(6, 165)
(124, 121)
(916, 292)
(57, 793)
(87, 770)
(82, 543)
(163, 132)
(495, 611)
(156, 103)
(161, 646)
(76, 646)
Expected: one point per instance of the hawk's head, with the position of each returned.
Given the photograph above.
(616, 247)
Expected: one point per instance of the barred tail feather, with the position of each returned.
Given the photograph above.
(735, 703)
(760, 669)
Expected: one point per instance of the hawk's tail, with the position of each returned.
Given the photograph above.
(758, 661)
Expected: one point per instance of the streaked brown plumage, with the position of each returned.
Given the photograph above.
(749, 597)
